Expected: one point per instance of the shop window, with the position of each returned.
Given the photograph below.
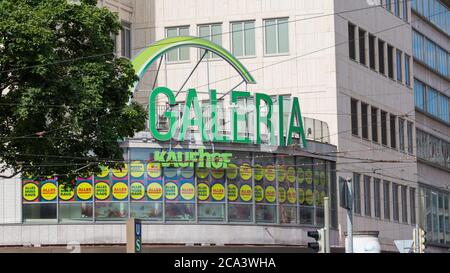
(265, 188)
(240, 191)
(305, 190)
(211, 194)
(179, 193)
(287, 194)
(75, 212)
(147, 211)
(320, 189)
(111, 211)
(39, 212)
(182, 212)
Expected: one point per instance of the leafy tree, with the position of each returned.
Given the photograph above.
(65, 99)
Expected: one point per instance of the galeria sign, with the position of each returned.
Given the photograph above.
(192, 105)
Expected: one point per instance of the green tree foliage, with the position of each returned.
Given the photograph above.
(65, 97)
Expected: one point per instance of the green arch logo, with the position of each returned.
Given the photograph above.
(149, 55)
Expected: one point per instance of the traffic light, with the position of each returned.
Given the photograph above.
(422, 240)
(319, 245)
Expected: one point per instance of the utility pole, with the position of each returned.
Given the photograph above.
(350, 216)
(326, 203)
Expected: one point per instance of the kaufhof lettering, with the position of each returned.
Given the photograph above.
(188, 159)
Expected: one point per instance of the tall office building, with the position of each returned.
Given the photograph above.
(431, 47)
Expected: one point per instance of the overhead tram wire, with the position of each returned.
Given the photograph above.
(203, 37)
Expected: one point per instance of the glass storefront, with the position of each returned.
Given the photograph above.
(255, 188)
(436, 215)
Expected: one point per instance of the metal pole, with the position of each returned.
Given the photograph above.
(326, 203)
(350, 218)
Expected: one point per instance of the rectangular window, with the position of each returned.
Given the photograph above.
(390, 62)
(399, 66)
(211, 33)
(401, 134)
(377, 197)
(418, 46)
(432, 101)
(365, 121)
(397, 8)
(357, 193)
(354, 113)
(372, 52)
(395, 203)
(367, 197)
(276, 36)
(412, 205)
(383, 128)
(410, 137)
(407, 70)
(387, 200)
(178, 54)
(443, 108)
(430, 53)
(405, 10)
(393, 132)
(243, 38)
(381, 57)
(404, 204)
(351, 41)
(362, 46)
(126, 40)
(374, 115)
(419, 94)
(388, 5)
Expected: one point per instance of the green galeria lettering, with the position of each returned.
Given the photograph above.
(235, 95)
(192, 100)
(267, 120)
(214, 119)
(295, 114)
(153, 119)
